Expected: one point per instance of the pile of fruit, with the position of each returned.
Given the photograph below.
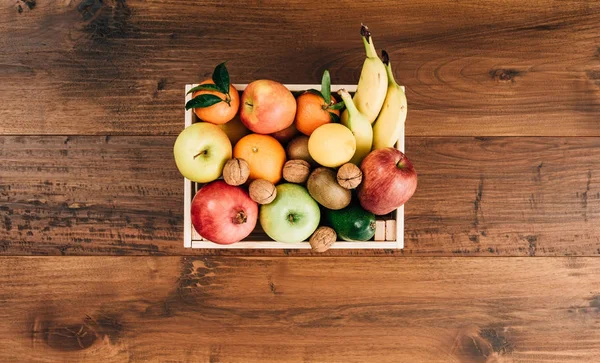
(321, 168)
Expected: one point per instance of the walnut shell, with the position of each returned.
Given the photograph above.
(262, 191)
(236, 171)
(296, 171)
(322, 239)
(349, 176)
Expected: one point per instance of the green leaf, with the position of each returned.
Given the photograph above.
(221, 78)
(315, 92)
(203, 87)
(337, 106)
(202, 101)
(334, 118)
(326, 87)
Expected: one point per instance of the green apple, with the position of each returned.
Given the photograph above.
(201, 150)
(292, 217)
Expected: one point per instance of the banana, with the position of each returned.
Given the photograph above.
(372, 84)
(360, 126)
(390, 121)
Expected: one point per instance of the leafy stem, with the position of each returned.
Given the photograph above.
(326, 87)
(220, 78)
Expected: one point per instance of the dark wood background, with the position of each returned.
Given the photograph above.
(502, 236)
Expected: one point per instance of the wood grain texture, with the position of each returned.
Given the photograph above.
(226, 309)
(502, 196)
(471, 68)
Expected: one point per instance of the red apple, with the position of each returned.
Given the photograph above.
(389, 181)
(286, 134)
(267, 107)
(223, 213)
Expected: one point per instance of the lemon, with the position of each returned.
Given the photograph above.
(332, 145)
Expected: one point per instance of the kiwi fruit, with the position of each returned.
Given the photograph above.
(297, 148)
(323, 187)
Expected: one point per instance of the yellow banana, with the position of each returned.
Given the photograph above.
(390, 121)
(372, 84)
(360, 127)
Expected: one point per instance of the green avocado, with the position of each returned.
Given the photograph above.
(352, 223)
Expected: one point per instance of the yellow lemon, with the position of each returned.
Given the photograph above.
(332, 145)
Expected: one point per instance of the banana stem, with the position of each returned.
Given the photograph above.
(352, 110)
(369, 47)
(388, 67)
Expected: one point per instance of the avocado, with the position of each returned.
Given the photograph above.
(352, 223)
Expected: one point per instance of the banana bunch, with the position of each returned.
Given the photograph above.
(378, 100)
(390, 122)
(360, 126)
(372, 84)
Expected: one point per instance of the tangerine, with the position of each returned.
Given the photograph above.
(264, 154)
(312, 112)
(220, 112)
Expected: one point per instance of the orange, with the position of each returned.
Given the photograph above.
(312, 112)
(220, 112)
(264, 154)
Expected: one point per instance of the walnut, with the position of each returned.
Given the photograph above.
(322, 239)
(236, 171)
(349, 176)
(262, 191)
(296, 171)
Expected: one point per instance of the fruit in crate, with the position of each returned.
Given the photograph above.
(267, 107)
(352, 223)
(349, 176)
(332, 145)
(292, 217)
(324, 188)
(360, 126)
(215, 100)
(317, 108)
(389, 181)
(388, 126)
(285, 135)
(323, 238)
(236, 171)
(262, 191)
(372, 84)
(296, 171)
(235, 129)
(264, 154)
(297, 149)
(223, 213)
(201, 150)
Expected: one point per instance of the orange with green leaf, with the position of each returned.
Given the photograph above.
(215, 100)
(316, 108)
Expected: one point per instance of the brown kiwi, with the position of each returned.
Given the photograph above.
(297, 148)
(324, 188)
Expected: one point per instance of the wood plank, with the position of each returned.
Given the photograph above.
(472, 68)
(227, 309)
(504, 196)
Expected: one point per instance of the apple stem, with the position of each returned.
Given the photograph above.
(203, 152)
(400, 163)
(240, 218)
(291, 218)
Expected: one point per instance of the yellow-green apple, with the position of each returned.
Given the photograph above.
(267, 107)
(235, 129)
(292, 217)
(201, 151)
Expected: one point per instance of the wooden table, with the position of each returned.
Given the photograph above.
(502, 236)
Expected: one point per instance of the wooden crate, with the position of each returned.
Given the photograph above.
(389, 232)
